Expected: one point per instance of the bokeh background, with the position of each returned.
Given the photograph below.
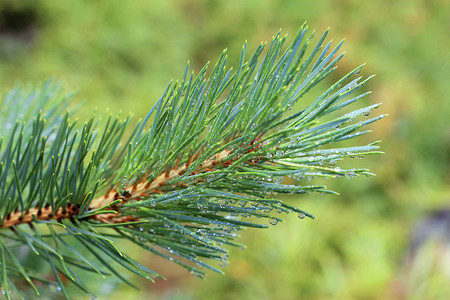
(385, 237)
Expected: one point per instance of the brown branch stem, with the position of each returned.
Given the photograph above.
(44, 214)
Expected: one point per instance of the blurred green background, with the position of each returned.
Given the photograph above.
(121, 55)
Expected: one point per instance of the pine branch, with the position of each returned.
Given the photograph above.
(218, 151)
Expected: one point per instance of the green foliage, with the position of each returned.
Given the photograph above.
(44, 152)
(219, 149)
(48, 162)
(121, 55)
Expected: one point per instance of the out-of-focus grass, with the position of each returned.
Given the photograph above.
(121, 55)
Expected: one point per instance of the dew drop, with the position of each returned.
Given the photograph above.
(278, 179)
(227, 229)
(301, 215)
(273, 222)
(224, 260)
(350, 175)
(298, 176)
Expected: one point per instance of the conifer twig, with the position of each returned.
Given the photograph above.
(218, 151)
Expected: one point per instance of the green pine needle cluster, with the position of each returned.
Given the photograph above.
(218, 151)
